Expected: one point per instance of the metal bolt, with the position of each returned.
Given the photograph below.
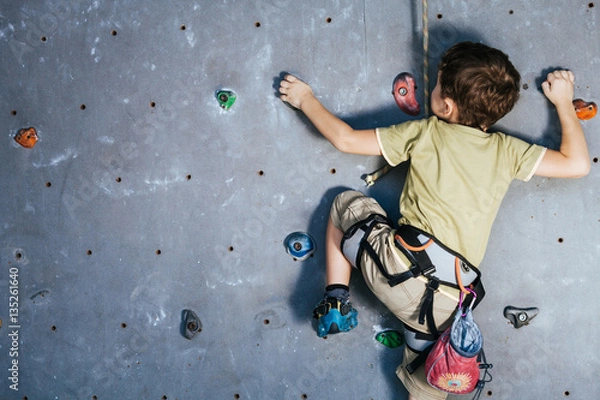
(192, 326)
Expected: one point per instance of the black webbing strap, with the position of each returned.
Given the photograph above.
(419, 360)
(427, 306)
(393, 279)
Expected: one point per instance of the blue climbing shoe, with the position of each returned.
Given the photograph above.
(334, 316)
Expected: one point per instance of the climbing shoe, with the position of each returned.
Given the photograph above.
(334, 315)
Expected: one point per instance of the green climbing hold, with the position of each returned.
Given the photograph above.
(390, 338)
(226, 98)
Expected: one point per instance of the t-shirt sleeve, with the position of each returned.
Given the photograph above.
(396, 142)
(526, 157)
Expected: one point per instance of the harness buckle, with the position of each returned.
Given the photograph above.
(428, 269)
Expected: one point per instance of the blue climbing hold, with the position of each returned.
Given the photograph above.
(299, 245)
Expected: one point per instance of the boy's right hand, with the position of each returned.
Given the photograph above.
(558, 88)
(294, 91)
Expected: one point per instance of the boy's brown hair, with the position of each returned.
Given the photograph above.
(481, 81)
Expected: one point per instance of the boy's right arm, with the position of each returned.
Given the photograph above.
(299, 95)
(572, 159)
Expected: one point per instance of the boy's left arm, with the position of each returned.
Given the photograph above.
(300, 95)
(572, 159)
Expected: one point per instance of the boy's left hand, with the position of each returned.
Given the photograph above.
(558, 88)
(294, 91)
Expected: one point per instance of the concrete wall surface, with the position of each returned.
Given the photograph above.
(143, 197)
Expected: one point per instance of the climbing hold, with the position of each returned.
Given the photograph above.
(404, 91)
(585, 110)
(39, 295)
(190, 324)
(299, 245)
(390, 338)
(27, 137)
(520, 316)
(226, 98)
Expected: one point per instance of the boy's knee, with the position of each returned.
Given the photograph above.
(341, 203)
(351, 207)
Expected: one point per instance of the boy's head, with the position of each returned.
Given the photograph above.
(481, 81)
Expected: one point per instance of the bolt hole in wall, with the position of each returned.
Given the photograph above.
(595, 159)
(48, 184)
(82, 107)
(567, 393)
(113, 32)
(13, 112)
(257, 24)
(158, 252)
(561, 240)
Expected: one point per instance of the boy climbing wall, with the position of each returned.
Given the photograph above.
(458, 176)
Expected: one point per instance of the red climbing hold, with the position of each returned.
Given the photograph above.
(585, 110)
(27, 137)
(404, 91)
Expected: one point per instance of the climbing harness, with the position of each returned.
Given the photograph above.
(428, 258)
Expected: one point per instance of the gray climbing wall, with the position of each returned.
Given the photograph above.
(143, 197)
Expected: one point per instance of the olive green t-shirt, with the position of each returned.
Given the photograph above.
(457, 178)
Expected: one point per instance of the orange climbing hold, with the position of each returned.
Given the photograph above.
(27, 137)
(585, 110)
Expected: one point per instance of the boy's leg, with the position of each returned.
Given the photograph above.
(338, 269)
(335, 312)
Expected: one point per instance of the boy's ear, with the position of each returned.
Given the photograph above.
(450, 110)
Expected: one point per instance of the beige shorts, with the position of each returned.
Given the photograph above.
(403, 300)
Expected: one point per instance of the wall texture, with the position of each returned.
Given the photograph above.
(143, 197)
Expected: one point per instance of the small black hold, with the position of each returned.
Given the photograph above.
(519, 316)
(190, 324)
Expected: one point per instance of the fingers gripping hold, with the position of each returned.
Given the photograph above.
(294, 91)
